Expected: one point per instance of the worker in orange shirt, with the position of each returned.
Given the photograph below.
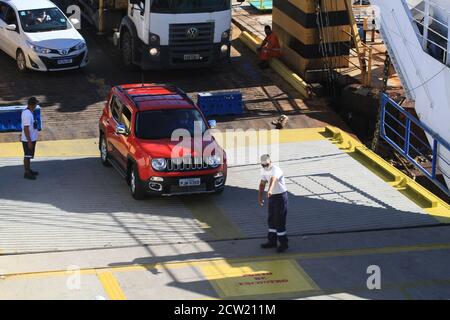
(270, 48)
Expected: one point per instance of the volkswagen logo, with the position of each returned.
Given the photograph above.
(192, 33)
(63, 52)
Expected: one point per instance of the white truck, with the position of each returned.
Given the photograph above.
(163, 34)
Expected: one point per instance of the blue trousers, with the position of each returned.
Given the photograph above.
(278, 207)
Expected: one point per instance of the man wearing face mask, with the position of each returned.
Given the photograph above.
(277, 203)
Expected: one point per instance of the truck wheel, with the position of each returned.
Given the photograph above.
(21, 61)
(104, 152)
(126, 47)
(137, 190)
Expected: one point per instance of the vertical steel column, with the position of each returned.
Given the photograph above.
(101, 17)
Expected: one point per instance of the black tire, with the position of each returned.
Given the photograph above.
(126, 48)
(104, 152)
(21, 61)
(136, 187)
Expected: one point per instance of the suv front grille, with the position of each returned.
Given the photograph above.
(187, 164)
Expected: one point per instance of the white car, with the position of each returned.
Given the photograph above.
(40, 37)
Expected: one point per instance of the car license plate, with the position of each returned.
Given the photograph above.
(190, 57)
(190, 182)
(65, 61)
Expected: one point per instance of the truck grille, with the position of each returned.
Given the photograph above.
(185, 34)
(187, 164)
(191, 39)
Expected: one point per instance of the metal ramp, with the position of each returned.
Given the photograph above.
(416, 35)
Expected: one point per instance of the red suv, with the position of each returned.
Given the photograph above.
(137, 138)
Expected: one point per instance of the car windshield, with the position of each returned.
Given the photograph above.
(42, 20)
(189, 6)
(161, 124)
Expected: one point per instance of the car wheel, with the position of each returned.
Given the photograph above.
(104, 152)
(21, 61)
(127, 49)
(137, 190)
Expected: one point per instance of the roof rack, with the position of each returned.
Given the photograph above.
(170, 86)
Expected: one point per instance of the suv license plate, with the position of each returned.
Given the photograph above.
(65, 61)
(190, 57)
(190, 182)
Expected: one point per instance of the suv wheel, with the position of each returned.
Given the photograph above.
(104, 152)
(137, 190)
(127, 49)
(21, 61)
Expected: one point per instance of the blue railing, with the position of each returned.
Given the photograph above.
(407, 135)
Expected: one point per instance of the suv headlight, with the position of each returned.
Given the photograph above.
(39, 49)
(159, 164)
(80, 46)
(214, 161)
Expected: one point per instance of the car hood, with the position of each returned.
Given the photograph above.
(60, 39)
(163, 148)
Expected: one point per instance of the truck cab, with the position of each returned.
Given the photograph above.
(165, 34)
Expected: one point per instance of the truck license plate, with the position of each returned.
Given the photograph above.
(65, 61)
(190, 182)
(190, 57)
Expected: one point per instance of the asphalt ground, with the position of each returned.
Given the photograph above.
(72, 100)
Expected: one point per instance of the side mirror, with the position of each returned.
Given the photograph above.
(121, 129)
(212, 124)
(11, 27)
(241, 1)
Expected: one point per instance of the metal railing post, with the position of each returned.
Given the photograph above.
(447, 62)
(426, 23)
(435, 157)
(407, 136)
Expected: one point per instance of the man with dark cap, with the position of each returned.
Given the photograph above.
(277, 202)
(29, 137)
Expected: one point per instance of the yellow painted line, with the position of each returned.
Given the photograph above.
(428, 201)
(211, 218)
(253, 42)
(252, 138)
(111, 286)
(206, 262)
(58, 148)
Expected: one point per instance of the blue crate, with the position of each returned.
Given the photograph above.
(11, 118)
(220, 103)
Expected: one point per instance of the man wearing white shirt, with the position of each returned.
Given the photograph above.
(29, 137)
(277, 203)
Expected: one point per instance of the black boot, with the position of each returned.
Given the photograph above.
(271, 241)
(283, 244)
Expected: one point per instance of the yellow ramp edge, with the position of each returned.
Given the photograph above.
(428, 201)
